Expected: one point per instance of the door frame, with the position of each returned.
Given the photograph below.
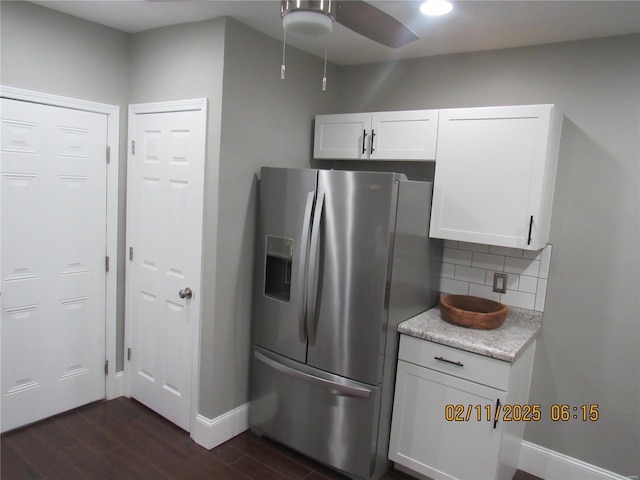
(198, 105)
(114, 381)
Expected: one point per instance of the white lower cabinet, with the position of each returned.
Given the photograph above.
(444, 416)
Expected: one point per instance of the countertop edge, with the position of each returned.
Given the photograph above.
(506, 343)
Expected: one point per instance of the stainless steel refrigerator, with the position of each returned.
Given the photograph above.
(342, 258)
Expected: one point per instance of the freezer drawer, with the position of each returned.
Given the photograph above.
(328, 418)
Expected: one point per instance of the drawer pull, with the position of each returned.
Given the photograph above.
(441, 359)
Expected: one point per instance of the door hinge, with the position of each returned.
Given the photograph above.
(108, 154)
(131, 253)
(129, 353)
(106, 263)
(106, 367)
(133, 147)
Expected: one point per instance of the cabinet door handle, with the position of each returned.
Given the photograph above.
(373, 135)
(497, 413)
(530, 229)
(441, 359)
(364, 142)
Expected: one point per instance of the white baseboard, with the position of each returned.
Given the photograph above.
(210, 433)
(552, 465)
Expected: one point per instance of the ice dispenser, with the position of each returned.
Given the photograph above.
(277, 282)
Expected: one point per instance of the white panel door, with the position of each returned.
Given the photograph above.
(165, 206)
(53, 260)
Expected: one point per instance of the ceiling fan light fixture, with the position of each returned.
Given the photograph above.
(307, 23)
(434, 8)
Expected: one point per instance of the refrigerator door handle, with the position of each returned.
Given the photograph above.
(312, 283)
(304, 250)
(350, 390)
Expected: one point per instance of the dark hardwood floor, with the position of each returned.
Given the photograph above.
(122, 439)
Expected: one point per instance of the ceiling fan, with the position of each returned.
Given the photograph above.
(316, 17)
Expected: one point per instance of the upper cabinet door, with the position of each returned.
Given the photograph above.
(495, 175)
(344, 136)
(408, 135)
(405, 135)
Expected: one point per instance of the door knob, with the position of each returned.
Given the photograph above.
(186, 293)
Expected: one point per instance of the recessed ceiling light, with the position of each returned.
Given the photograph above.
(436, 7)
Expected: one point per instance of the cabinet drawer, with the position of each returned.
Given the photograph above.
(470, 366)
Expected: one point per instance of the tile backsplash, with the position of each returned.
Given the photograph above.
(468, 268)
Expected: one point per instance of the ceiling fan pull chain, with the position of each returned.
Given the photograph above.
(284, 46)
(324, 76)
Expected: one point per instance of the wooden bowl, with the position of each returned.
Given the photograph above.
(472, 312)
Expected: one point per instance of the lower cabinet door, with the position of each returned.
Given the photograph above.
(432, 436)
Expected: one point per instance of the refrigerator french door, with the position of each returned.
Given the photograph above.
(324, 342)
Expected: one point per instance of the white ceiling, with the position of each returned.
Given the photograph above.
(472, 26)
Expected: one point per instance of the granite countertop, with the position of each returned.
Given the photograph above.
(506, 342)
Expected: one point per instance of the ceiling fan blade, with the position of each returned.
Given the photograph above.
(373, 23)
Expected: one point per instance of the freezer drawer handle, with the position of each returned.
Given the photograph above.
(346, 389)
(442, 359)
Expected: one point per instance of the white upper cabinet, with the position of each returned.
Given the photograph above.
(405, 135)
(343, 136)
(495, 175)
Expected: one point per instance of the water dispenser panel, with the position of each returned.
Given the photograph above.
(277, 275)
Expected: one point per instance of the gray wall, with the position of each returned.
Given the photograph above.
(589, 351)
(265, 121)
(51, 52)
(48, 51)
